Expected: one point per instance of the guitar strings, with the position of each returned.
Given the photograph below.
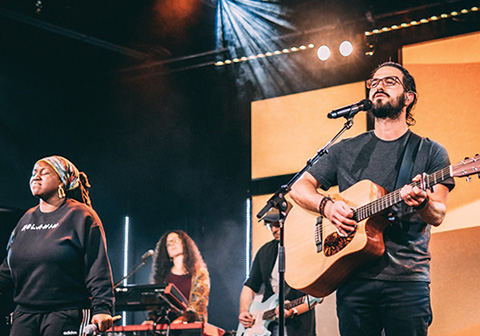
(394, 197)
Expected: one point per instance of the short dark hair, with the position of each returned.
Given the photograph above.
(409, 84)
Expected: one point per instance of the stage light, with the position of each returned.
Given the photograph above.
(413, 23)
(346, 48)
(250, 29)
(126, 243)
(248, 236)
(370, 49)
(323, 53)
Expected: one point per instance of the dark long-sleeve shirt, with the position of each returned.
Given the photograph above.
(58, 261)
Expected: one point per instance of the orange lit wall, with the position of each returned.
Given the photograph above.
(288, 130)
(447, 72)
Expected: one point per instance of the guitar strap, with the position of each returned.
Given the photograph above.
(409, 155)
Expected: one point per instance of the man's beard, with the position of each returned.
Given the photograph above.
(387, 110)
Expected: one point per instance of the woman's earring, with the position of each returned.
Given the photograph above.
(61, 192)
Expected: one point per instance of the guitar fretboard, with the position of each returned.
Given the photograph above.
(270, 314)
(394, 197)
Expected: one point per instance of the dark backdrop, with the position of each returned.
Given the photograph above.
(170, 152)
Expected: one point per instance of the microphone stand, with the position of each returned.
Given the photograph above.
(140, 265)
(281, 273)
(163, 317)
(278, 201)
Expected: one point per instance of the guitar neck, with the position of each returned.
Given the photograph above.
(295, 303)
(270, 314)
(384, 202)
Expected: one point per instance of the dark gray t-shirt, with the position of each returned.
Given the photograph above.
(407, 256)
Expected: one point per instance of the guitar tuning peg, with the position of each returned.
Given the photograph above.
(469, 179)
(466, 158)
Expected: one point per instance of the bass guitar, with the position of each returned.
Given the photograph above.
(264, 313)
(318, 259)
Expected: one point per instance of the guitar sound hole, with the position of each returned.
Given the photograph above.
(334, 243)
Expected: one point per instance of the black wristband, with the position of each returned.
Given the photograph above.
(423, 204)
(323, 202)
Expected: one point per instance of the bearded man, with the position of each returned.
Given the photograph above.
(390, 294)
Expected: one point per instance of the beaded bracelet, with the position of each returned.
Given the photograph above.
(323, 202)
(423, 204)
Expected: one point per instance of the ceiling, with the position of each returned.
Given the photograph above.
(181, 33)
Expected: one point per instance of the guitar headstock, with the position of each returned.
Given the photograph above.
(467, 167)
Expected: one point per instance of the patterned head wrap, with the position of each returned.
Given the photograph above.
(68, 173)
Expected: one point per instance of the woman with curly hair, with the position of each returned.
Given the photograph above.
(177, 260)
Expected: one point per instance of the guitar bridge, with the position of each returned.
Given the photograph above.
(319, 234)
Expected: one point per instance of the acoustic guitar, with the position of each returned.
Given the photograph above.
(318, 259)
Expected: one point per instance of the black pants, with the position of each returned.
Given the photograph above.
(58, 323)
(366, 307)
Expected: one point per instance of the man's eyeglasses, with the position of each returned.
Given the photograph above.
(372, 83)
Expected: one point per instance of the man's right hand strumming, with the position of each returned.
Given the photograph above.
(304, 193)
(340, 215)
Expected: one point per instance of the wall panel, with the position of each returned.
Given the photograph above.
(447, 72)
(286, 131)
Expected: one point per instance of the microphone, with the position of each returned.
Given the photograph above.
(92, 329)
(350, 110)
(147, 255)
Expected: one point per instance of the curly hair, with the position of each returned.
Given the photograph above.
(162, 263)
(408, 82)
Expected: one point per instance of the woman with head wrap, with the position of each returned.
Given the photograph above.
(57, 260)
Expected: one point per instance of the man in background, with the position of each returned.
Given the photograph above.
(299, 320)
